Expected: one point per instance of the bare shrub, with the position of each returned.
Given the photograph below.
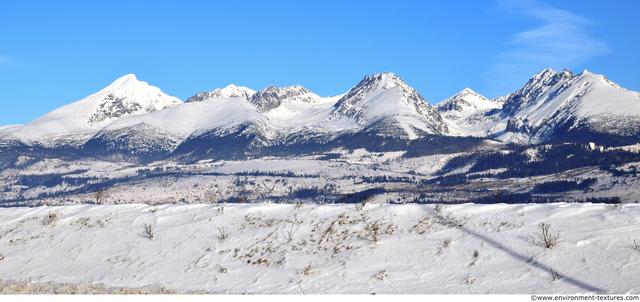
(475, 258)
(224, 233)
(298, 282)
(148, 230)
(210, 197)
(101, 196)
(50, 218)
(550, 239)
(615, 203)
(470, 280)
(447, 242)
(373, 230)
(308, 271)
(381, 275)
(292, 232)
(556, 276)
(501, 196)
(361, 201)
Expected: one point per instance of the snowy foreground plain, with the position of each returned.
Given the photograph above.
(319, 249)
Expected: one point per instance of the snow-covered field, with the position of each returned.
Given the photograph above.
(320, 249)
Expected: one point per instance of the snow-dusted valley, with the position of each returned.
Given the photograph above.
(325, 194)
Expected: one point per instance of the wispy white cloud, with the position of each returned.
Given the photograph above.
(562, 41)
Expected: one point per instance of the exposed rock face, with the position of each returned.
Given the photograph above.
(272, 97)
(227, 92)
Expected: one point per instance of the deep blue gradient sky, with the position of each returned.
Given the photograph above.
(53, 53)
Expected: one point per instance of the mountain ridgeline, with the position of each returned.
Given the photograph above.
(132, 120)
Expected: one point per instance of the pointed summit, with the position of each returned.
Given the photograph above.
(124, 80)
(370, 85)
(467, 92)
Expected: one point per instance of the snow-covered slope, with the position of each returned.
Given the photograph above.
(164, 130)
(321, 249)
(76, 122)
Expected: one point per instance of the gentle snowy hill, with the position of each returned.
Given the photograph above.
(321, 249)
(163, 131)
(76, 122)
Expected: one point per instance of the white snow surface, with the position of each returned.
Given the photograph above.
(326, 249)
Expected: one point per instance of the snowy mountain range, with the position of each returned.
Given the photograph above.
(131, 116)
(551, 106)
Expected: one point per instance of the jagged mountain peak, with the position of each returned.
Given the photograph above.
(548, 77)
(540, 84)
(271, 97)
(227, 92)
(384, 80)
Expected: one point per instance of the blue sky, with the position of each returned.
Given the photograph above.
(53, 53)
